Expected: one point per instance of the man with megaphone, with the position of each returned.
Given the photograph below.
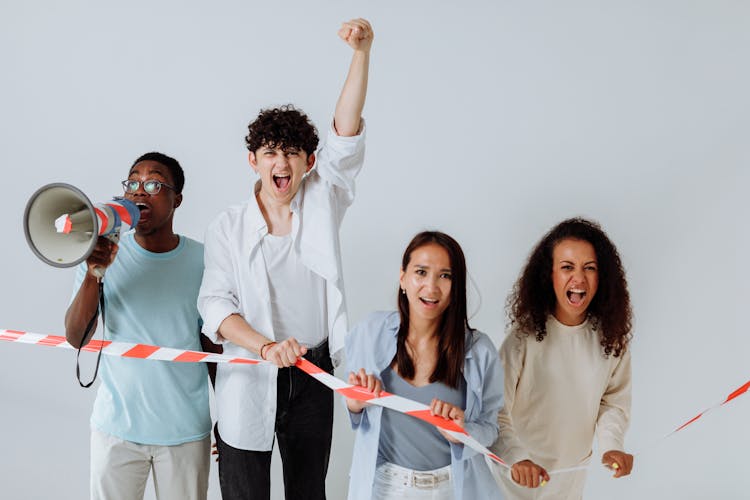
(147, 415)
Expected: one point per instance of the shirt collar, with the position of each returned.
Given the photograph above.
(255, 223)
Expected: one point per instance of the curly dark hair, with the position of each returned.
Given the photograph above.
(454, 323)
(533, 298)
(284, 127)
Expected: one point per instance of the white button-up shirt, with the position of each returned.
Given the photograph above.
(235, 282)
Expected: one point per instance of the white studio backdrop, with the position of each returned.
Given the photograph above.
(489, 120)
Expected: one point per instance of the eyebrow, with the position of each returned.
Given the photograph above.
(571, 262)
(422, 266)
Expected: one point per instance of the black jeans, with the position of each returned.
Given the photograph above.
(304, 425)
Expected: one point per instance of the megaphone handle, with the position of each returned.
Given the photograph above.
(89, 332)
(99, 271)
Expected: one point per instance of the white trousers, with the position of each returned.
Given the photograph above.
(120, 469)
(393, 482)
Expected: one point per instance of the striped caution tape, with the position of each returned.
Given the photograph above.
(125, 349)
(146, 351)
(734, 394)
(397, 403)
(744, 388)
(385, 399)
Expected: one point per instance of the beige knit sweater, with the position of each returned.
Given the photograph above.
(559, 393)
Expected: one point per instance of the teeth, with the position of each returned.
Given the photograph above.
(431, 301)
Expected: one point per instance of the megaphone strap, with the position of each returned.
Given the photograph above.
(89, 332)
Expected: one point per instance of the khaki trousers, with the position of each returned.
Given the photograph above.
(120, 469)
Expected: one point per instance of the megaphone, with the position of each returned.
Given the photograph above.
(62, 225)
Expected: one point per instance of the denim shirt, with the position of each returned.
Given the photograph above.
(372, 345)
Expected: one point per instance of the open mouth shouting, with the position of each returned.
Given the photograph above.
(576, 296)
(144, 208)
(282, 182)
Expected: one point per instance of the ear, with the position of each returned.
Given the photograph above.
(253, 161)
(401, 279)
(177, 201)
(310, 162)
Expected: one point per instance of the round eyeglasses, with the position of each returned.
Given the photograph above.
(151, 186)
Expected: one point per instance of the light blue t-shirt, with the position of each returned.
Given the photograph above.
(150, 298)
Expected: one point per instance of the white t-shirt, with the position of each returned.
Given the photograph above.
(297, 295)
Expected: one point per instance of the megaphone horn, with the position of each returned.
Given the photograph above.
(61, 224)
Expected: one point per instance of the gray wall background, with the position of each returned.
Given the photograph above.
(489, 120)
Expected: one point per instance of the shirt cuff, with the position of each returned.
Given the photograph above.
(213, 319)
(333, 134)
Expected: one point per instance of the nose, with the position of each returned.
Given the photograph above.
(431, 282)
(282, 160)
(579, 276)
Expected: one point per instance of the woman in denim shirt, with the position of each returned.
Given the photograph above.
(425, 351)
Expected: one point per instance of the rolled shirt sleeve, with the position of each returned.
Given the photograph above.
(218, 297)
(340, 161)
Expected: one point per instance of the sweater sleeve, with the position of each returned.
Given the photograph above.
(512, 354)
(614, 408)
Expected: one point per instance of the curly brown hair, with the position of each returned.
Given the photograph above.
(284, 127)
(533, 298)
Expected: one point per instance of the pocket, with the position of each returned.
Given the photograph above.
(387, 484)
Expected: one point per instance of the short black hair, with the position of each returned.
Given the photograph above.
(284, 127)
(178, 176)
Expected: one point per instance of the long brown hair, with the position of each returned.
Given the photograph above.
(454, 322)
(533, 298)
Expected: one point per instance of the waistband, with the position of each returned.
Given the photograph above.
(425, 479)
(317, 353)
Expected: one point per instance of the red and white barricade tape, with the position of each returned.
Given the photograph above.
(385, 399)
(397, 403)
(152, 352)
(737, 392)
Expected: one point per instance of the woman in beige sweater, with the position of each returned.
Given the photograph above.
(567, 367)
